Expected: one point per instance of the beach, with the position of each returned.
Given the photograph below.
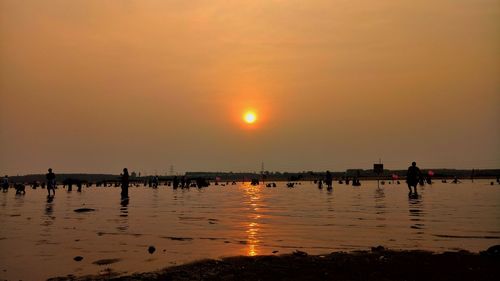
(377, 264)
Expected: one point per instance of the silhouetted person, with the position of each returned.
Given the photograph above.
(428, 180)
(183, 182)
(5, 183)
(156, 181)
(355, 182)
(20, 188)
(328, 180)
(413, 177)
(421, 181)
(124, 180)
(175, 182)
(201, 182)
(51, 182)
(320, 184)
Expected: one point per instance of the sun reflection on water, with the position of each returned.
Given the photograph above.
(253, 227)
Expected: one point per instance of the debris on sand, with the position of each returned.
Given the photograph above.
(106, 261)
(84, 210)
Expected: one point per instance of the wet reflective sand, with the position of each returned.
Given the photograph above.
(39, 238)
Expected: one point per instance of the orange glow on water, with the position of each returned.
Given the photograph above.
(253, 227)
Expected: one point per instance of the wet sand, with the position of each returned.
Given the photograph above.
(377, 264)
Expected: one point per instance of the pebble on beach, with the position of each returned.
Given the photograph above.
(151, 249)
(78, 258)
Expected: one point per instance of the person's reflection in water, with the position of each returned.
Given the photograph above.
(380, 207)
(49, 211)
(416, 212)
(123, 222)
(48, 219)
(49, 205)
(329, 202)
(19, 201)
(379, 198)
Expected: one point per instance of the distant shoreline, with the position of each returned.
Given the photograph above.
(439, 174)
(377, 264)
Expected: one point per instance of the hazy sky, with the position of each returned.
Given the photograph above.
(95, 86)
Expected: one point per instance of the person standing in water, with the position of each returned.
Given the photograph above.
(156, 182)
(328, 180)
(124, 179)
(51, 182)
(413, 177)
(5, 183)
(175, 182)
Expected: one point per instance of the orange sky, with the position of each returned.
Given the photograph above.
(95, 86)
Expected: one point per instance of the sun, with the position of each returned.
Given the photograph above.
(250, 117)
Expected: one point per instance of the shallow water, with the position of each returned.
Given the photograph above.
(39, 239)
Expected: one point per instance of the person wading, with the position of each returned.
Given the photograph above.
(413, 176)
(51, 182)
(124, 179)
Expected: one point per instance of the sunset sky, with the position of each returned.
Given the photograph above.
(95, 86)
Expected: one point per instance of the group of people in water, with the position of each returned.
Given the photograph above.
(155, 182)
(328, 181)
(414, 177)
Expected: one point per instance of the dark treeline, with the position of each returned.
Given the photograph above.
(274, 176)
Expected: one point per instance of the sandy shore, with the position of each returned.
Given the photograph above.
(377, 264)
